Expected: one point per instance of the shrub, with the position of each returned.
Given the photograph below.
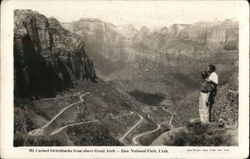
(200, 135)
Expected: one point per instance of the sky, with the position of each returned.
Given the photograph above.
(153, 14)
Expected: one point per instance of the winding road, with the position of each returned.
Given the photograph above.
(60, 97)
(135, 142)
(135, 138)
(132, 128)
(40, 131)
(171, 119)
(74, 124)
(84, 122)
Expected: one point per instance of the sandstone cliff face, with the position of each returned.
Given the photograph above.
(185, 47)
(188, 39)
(47, 58)
(127, 31)
(217, 35)
(120, 44)
(175, 29)
(104, 43)
(181, 48)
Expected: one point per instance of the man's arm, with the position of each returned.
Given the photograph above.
(213, 84)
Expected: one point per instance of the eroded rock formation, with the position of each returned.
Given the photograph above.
(102, 40)
(47, 58)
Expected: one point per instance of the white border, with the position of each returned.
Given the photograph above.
(8, 151)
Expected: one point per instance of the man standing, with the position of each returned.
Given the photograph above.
(213, 80)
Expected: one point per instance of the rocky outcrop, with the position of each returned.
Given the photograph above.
(47, 58)
(213, 35)
(180, 46)
(127, 30)
(196, 134)
(227, 104)
(175, 29)
(188, 39)
(183, 47)
(105, 44)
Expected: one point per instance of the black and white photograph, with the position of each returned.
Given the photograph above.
(118, 79)
(126, 73)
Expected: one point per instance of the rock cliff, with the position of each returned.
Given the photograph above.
(102, 40)
(179, 46)
(213, 35)
(47, 58)
(189, 38)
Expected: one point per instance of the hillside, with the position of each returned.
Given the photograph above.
(222, 131)
(149, 81)
(98, 108)
(59, 101)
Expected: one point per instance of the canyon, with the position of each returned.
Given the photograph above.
(76, 83)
